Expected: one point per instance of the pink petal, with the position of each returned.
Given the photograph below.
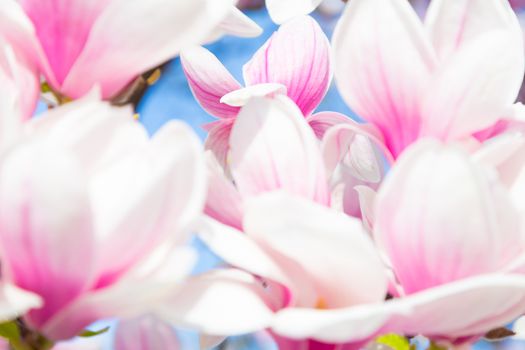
(134, 36)
(145, 333)
(63, 28)
(506, 153)
(453, 24)
(284, 10)
(460, 100)
(224, 203)
(440, 218)
(272, 147)
(16, 27)
(322, 121)
(21, 88)
(240, 97)
(218, 140)
(298, 57)
(241, 251)
(46, 226)
(464, 308)
(96, 131)
(350, 144)
(238, 24)
(204, 300)
(141, 291)
(147, 197)
(383, 65)
(331, 247)
(352, 324)
(453, 311)
(209, 81)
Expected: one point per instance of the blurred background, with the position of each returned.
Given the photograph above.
(170, 98)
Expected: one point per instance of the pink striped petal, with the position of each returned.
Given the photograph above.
(16, 27)
(48, 244)
(298, 57)
(145, 333)
(209, 81)
(63, 28)
(133, 36)
(272, 147)
(284, 10)
(383, 65)
(441, 217)
(146, 198)
(460, 100)
(453, 24)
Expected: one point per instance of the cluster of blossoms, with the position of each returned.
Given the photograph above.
(335, 235)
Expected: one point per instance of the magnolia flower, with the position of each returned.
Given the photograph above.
(92, 213)
(272, 148)
(455, 263)
(294, 61)
(411, 80)
(79, 44)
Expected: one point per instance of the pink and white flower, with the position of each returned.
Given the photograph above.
(92, 213)
(295, 61)
(80, 44)
(410, 79)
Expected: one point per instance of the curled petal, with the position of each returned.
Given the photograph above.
(209, 81)
(298, 57)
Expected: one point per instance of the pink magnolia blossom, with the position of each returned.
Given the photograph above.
(294, 61)
(79, 44)
(272, 148)
(449, 78)
(455, 263)
(92, 212)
